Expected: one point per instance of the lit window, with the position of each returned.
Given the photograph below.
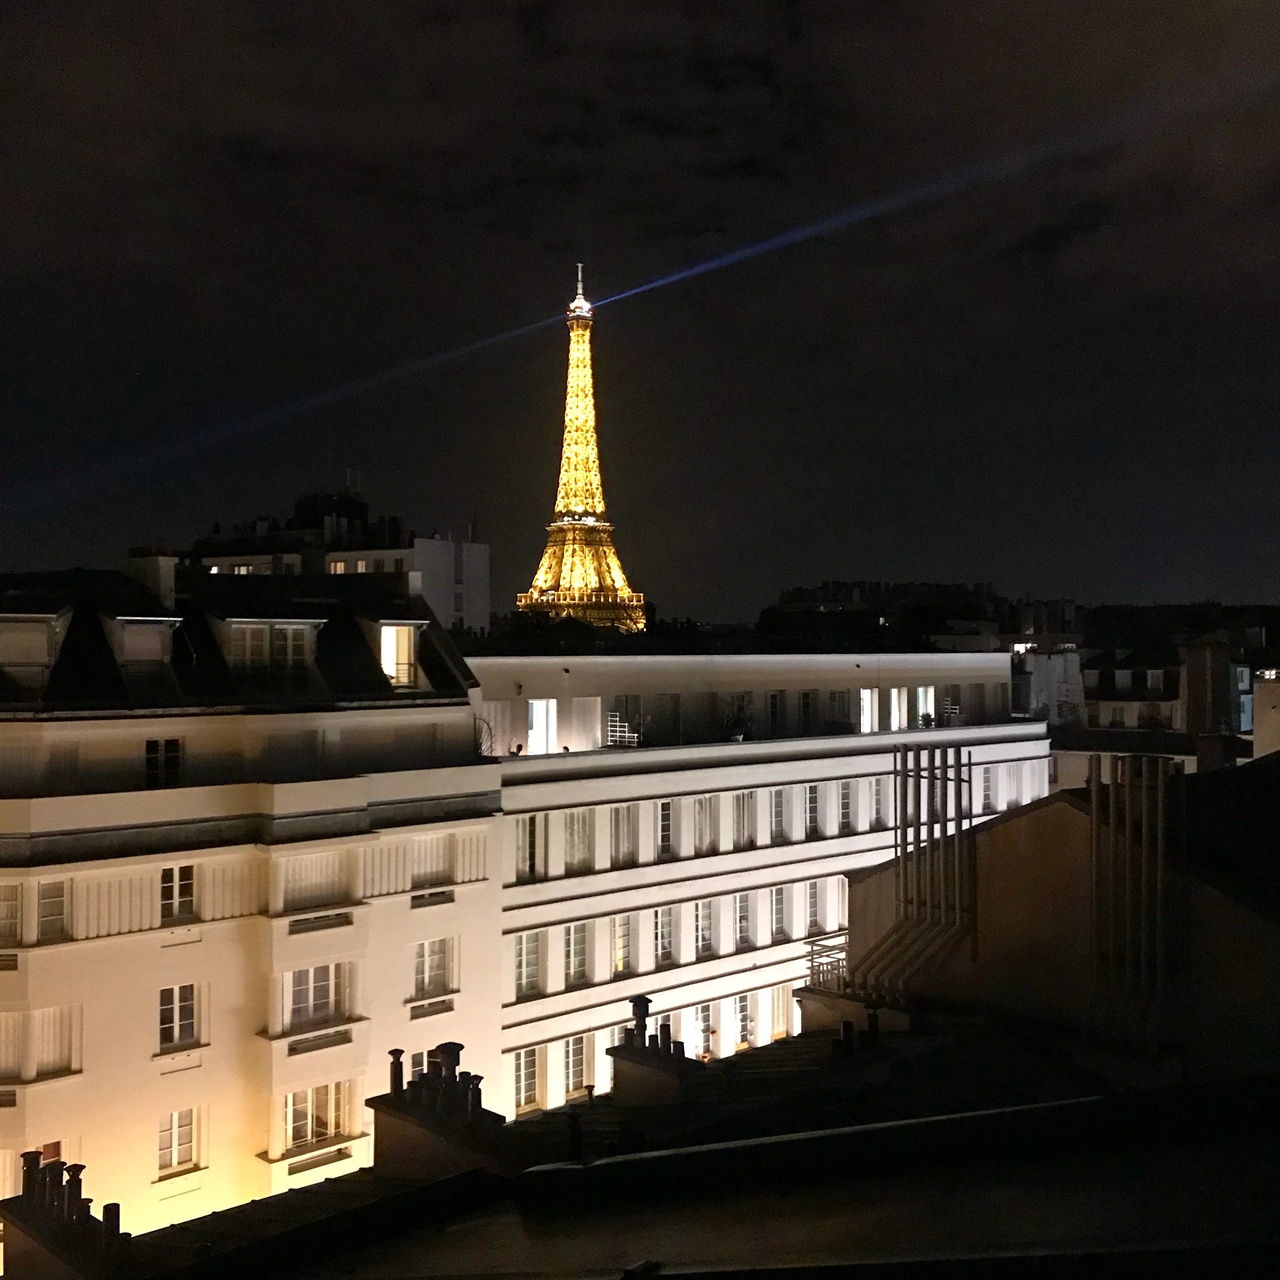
(177, 1141)
(177, 893)
(399, 663)
(542, 726)
(868, 711)
(898, 708)
(177, 1017)
(337, 566)
(362, 566)
(620, 943)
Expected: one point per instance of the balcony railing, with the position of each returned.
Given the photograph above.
(829, 962)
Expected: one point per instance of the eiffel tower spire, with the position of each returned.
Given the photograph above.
(580, 575)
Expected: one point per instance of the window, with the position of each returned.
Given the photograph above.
(811, 828)
(575, 1065)
(579, 841)
(52, 910)
(316, 995)
(241, 569)
(666, 841)
(925, 707)
(399, 662)
(987, 801)
(316, 1114)
(399, 564)
(742, 1020)
(1011, 785)
(702, 1029)
(378, 564)
(528, 964)
(702, 928)
(778, 911)
(10, 913)
(526, 1078)
(898, 708)
(624, 835)
(163, 762)
(575, 953)
(813, 921)
(337, 566)
(706, 816)
(777, 815)
(781, 1010)
(868, 711)
(742, 920)
(808, 711)
(744, 820)
(664, 936)
(289, 647)
(777, 714)
(838, 710)
(528, 847)
(261, 647)
(177, 1141)
(877, 803)
(433, 967)
(177, 893)
(620, 943)
(177, 1017)
(542, 726)
(846, 807)
(362, 566)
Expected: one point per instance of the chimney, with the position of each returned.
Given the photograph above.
(155, 572)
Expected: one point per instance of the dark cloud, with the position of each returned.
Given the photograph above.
(1064, 382)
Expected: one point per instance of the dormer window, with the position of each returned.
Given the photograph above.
(270, 650)
(399, 662)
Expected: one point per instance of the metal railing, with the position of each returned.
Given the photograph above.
(829, 962)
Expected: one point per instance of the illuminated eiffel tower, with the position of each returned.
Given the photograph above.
(580, 575)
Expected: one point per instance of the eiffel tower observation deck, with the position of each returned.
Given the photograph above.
(580, 575)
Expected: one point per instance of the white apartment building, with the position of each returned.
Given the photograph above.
(248, 843)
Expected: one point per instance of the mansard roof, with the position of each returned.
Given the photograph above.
(80, 663)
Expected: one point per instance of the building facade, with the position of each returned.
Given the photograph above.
(251, 840)
(333, 533)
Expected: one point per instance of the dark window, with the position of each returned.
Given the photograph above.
(164, 762)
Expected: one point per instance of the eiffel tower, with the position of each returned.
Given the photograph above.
(580, 575)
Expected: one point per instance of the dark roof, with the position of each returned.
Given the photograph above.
(86, 675)
(1132, 659)
(1230, 831)
(110, 592)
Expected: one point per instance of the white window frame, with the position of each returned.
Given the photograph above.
(52, 909)
(178, 893)
(435, 968)
(10, 913)
(526, 1079)
(744, 820)
(813, 907)
(575, 1065)
(847, 822)
(316, 995)
(315, 1115)
(812, 811)
(579, 841)
(664, 949)
(528, 964)
(179, 1150)
(666, 828)
(777, 815)
(742, 939)
(742, 1020)
(624, 835)
(179, 1018)
(575, 953)
(621, 958)
(778, 912)
(706, 814)
(703, 928)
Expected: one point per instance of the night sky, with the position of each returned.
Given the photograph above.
(1065, 382)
